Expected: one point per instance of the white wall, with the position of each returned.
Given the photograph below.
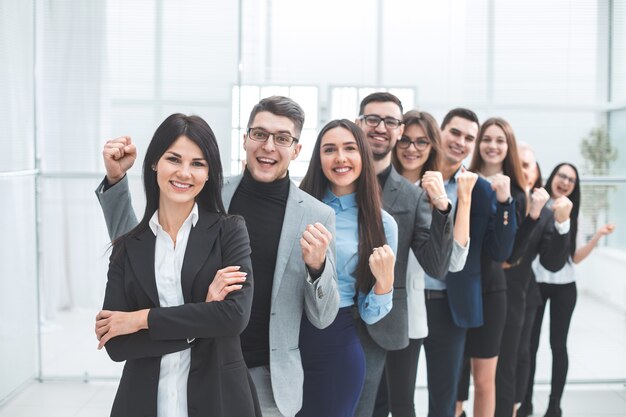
(18, 252)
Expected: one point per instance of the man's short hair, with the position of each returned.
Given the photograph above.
(461, 112)
(379, 98)
(280, 106)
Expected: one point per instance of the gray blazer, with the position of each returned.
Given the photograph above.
(292, 291)
(428, 233)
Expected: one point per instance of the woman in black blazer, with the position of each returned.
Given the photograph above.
(168, 309)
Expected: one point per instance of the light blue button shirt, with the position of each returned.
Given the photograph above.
(451, 186)
(372, 307)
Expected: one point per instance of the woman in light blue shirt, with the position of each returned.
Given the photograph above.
(342, 175)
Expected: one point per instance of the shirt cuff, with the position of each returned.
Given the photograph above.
(562, 228)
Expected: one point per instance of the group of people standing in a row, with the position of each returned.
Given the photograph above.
(389, 243)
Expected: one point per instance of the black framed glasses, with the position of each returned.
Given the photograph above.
(281, 139)
(566, 178)
(405, 143)
(373, 120)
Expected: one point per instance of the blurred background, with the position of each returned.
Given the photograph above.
(76, 73)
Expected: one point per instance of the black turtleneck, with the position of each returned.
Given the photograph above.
(262, 205)
(383, 175)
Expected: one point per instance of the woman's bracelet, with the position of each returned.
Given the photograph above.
(439, 197)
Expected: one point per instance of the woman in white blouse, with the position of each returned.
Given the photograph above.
(560, 287)
(417, 152)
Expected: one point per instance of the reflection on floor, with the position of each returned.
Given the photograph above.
(94, 399)
(596, 349)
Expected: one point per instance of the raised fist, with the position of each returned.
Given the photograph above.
(119, 156)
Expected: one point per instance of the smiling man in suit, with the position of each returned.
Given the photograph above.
(455, 304)
(425, 229)
(290, 236)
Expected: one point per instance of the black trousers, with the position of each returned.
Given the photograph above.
(396, 393)
(562, 299)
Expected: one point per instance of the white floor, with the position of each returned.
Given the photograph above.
(597, 348)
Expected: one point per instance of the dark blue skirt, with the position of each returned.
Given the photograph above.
(334, 367)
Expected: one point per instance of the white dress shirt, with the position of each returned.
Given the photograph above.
(168, 262)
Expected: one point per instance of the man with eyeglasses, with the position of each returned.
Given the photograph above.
(290, 236)
(424, 229)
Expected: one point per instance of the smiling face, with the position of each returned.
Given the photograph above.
(382, 139)
(182, 172)
(563, 182)
(458, 139)
(411, 158)
(266, 161)
(493, 146)
(341, 160)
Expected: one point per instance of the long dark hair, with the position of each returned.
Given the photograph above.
(574, 198)
(199, 132)
(511, 165)
(371, 231)
(429, 125)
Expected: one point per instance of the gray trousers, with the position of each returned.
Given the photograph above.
(263, 383)
(374, 365)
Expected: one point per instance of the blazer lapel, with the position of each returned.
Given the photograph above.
(390, 191)
(229, 188)
(141, 257)
(289, 234)
(199, 246)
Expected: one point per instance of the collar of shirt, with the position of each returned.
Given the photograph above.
(339, 203)
(155, 225)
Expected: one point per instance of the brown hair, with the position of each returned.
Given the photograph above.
(368, 198)
(429, 125)
(511, 165)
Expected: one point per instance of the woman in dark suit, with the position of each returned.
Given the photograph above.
(168, 309)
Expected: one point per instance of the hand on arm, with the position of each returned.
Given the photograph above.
(110, 324)
(226, 280)
(538, 199)
(584, 251)
(314, 243)
(382, 262)
(432, 183)
(119, 156)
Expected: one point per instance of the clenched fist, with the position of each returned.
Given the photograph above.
(314, 243)
(538, 199)
(465, 184)
(501, 184)
(432, 183)
(119, 156)
(382, 262)
(562, 207)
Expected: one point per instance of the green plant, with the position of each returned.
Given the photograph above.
(598, 153)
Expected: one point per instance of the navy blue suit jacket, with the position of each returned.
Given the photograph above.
(492, 229)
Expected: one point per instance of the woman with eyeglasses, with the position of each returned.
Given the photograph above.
(341, 174)
(417, 152)
(559, 288)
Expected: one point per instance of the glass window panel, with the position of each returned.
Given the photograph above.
(618, 53)
(130, 32)
(16, 86)
(18, 285)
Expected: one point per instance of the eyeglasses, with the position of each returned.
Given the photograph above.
(405, 143)
(373, 120)
(284, 140)
(566, 178)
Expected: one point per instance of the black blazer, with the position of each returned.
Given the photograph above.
(219, 383)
